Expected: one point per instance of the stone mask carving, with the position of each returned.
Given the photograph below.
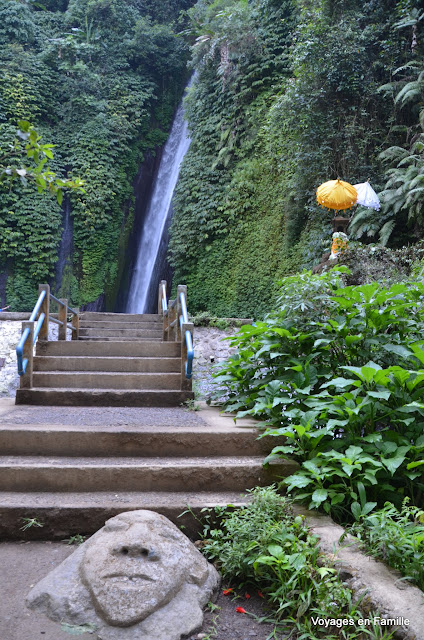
(137, 565)
(137, 578)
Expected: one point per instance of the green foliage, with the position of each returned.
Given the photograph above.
(11, 163)
(31, 522)
(100, 81)
(397, 537)
(76, 539)
(402, 193)
(323, 373)
(286, 97)
(263, 544)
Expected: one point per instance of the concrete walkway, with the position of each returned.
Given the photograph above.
(22, 565)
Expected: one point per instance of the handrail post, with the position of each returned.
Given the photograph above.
(160, 296)
(63, 317)
(45, 308)
(182, 288)
(165, 329)
(75, 324)
(171, 318)
(186, 384)
(28, 354)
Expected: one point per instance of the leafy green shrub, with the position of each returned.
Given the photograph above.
(321, 371)
(263, 544)
(397, 537)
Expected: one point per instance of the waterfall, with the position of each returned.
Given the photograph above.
(157, 214)
(65, 248)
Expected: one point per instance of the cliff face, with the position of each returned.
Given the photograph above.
(101, 82)
(289, 95)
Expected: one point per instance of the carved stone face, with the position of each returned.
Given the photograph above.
(137, 565)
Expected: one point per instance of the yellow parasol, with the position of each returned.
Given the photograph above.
(336, 194)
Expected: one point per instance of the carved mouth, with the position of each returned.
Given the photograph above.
(124, 580)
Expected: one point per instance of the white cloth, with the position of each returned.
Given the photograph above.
(367, 197)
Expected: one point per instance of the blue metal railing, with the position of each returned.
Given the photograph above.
(23, 362)
(164, 301)
(188, 338)
(69, 310)
(37, 306)
(188, 365)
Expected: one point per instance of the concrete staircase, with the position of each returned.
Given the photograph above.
(86, 465)
(118, 360)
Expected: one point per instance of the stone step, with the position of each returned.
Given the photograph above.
(118, 332)
(108, 363)
(68, 514)
(48, 473)
(120, 317)
(101, 397)
(118, 339)
(123, 349)
(152, 441)
(107, 380)
(103, 324)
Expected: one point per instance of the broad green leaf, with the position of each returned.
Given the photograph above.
(380, 395)
(348, 468)
(356, 510)
(368, 506)
(298, 481)
(340, 383)
(353, 452)
(398, 350)
(414, 465)
(394, 463)
(319, 495)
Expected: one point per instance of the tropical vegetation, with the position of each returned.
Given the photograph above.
(98, 80)
(264, 547)
(291, 94)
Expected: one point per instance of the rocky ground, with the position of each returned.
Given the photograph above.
(10, 333)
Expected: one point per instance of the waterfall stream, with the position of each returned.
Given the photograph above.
(158, 211)
(65, 248)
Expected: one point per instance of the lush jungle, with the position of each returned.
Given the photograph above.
(289, 93)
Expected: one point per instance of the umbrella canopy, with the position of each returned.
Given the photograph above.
(367, 197)
(336, 194)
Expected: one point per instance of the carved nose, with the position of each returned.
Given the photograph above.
(136, 551)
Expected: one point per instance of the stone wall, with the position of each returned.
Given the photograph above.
(210, 348)
(10, 333)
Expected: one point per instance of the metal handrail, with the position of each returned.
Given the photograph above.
(181, 319)
(56, 321)
(189, 341)
(183, 307)
(190, 352)
(38, 327)
(37, 306)
(23, 362)
(62, 304)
